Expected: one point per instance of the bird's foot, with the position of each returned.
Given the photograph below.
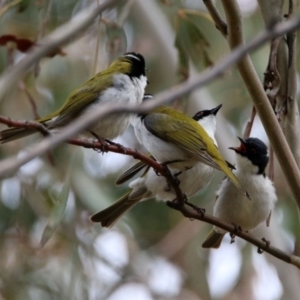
(120, 147)
(233, 234)
(201, 211)
(103, 143)
(259, 250)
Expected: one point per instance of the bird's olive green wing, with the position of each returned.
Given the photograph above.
(186, 134)
(80, 98)
(140, 165)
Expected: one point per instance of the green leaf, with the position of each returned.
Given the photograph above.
(190, 42)
(116, 43)
(57, 213)
(183, 67)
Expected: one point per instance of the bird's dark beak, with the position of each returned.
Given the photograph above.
(242, 148)
(215, 110)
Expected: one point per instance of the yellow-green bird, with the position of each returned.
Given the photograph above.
(178, 140)
(123, 82)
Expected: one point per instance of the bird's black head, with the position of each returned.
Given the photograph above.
(255, 150)
(204, 113)
(137, 62)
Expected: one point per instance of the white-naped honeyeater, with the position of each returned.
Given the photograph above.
(123, 82)
(150, 185)
(179, 141)
(251, 161)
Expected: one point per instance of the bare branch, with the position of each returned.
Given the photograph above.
(199, 81)
(261, 244)
(30, 98)
(220, 23)
(249, 125)
(25, 124)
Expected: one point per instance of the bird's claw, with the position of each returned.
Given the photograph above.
(199, 210)
(103, 146)
(259, 250)
(120, 147)
(233, 234)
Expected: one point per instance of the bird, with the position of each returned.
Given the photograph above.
(230, 206)
(179, 142)
(150, 185)
(123, 82)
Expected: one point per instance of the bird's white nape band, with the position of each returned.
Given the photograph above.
(132, 56)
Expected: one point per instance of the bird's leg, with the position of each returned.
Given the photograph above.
(121, 148)
(259, 250)
(198, 209)
(166, 163)
(232, 234)
(175, 180)
(101, 140)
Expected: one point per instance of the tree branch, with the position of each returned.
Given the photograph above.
(261, 244)
(25, 124)
(219, 22)
(12, 164)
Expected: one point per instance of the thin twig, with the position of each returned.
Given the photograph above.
(249, 125)
(219, 22)
(262, 245)
(30, 99)
(25, 124)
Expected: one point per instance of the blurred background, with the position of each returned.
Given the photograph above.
(48, 247)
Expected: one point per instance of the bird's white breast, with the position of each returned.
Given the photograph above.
(123, 91)
(233, 207)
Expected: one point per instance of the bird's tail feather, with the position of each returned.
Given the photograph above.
(213, 240)
(234, 179)
(12, 134)
(109, 216)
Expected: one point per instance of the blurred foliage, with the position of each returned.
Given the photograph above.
(153, 252)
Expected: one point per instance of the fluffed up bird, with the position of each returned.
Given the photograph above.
(150, 185)
(123, 82)
(251, 161)
(177, 140)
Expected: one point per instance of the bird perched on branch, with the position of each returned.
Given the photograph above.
(150, 185)
(251, 161)
(123, 82)
(177, 140)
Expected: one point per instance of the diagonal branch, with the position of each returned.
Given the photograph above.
(219, 22)
(13, 163)
(261, 244)
(25, 124)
